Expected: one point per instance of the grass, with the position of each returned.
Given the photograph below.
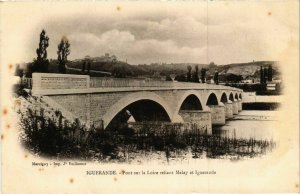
(58, 138)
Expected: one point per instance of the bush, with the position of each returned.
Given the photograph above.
(18, 89)
(50, 136)
(56, 137)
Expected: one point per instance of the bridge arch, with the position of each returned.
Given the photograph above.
(231, 97)
(212, 99)
(236, 96)
(191, 102)
(190, 97)
(137, 99)
(224, 98)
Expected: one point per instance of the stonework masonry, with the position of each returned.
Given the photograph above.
(53, 81)
(239, 105)
(98, 106)
(235, 107)
(228, 110)
(217, 114)
(76, 104)
(197, 119)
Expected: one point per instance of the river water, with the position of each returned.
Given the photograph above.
(259, 125)
(249, 134)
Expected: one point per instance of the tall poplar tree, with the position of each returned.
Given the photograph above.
(189, 74)
(63, 52)
(41, 63)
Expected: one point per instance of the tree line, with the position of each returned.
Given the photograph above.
(41, 62)
(266, 74)
(194, 76)
(118, 69)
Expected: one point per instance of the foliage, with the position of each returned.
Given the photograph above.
(56, 137)
(262, 81)
(203, 75)
(42, 50)
(248, 87)
(120, 71)
(88, 67)
(19, 72)
(270, 73)
(180, 78)
(41, 63)
(83, 67)
(168, 78)
(195, 75)
(233, 78)
(266, 74)
(50, 136)
(18, 89)
(63, 52)
(189, 74)
(216, 78)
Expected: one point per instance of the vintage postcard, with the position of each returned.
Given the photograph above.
(149, 96)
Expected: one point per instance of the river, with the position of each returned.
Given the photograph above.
(259, 125)
(249, 134)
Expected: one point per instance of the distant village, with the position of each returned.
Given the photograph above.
(105, 58)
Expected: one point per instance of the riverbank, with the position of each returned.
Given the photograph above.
(251, 101)
(261, 106)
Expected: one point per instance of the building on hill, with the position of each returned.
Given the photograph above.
(247, 81)
(105, 58)
(271, 86)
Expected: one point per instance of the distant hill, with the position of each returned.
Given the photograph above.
(249, 70)
(116, 68)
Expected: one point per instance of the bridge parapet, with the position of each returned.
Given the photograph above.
(99, 100)
(51, 81)
(147, 83)
(51, 84)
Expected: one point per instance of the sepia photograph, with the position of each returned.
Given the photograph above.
(150, 96)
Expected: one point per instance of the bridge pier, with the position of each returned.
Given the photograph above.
(98, 101)
(217, 114)
(197, 118)
(239, 105)
(228, 110)
(235, 107)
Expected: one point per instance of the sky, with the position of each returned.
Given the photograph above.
(148, 32)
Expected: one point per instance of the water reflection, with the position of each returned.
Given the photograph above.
(248, 135)
(258, 125)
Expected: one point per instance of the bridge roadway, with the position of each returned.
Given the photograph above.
(103, 102)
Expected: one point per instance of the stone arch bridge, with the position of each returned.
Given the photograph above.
(102, 101)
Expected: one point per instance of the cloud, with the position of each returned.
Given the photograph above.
(230, 33)
(124, 45)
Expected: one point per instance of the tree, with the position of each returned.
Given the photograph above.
(41, 63)
(216, 78)
(180, 78)
(270, 73)
(63, 52)
(168, 78)
(196, 76)
(189, 74)
(203, 75)
(212, 64)
(83, 67)
(265, 75)
(261, 75)
(278, 88)
(233, 78)
(88, 67)
(19, 72)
